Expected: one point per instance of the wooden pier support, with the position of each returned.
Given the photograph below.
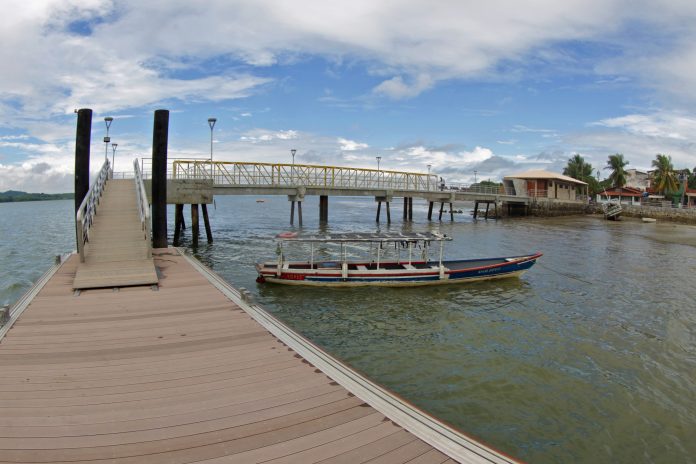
(430, 210)
(442, 207)
(405, 208)
(323, 208)
(206, 222)
(410, 208)
(379, 207)
(82, 141)
(388, 214)
(160, 134)
(195, 231)
(451, 212)
(299, 213)
(178, 222)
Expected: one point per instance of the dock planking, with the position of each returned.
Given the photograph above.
(179, 374)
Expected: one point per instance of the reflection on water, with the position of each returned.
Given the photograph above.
(589, 357)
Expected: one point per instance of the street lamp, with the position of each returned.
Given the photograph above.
(292, 170)
(107, 120)
(379, 158)
(113, 155)
(211, 123)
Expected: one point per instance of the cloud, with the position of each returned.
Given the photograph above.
(396, 88)
(263, 135)
(350, 145)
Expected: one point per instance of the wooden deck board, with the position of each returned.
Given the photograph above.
(177, 375)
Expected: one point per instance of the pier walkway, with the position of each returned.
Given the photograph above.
(118, 251)
(189, 371)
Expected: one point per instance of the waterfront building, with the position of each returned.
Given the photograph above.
(545, 184)
(640, 180)
(625, 195)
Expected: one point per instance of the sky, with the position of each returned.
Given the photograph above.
(477, 90)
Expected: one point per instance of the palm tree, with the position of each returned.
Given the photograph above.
(578, 169)
(664, 177)
(617, 163)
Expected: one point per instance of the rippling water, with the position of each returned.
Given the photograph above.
(589, 357)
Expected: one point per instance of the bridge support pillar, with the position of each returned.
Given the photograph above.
(178, 222)
(405, 209)
(430, 210)
(323, 208)
(386, 199)
(206, 222)
(451, 212)
(442, 207)
(476, 204)
(194, 225)
(410, 208)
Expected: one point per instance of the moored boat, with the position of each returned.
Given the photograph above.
(414, 269)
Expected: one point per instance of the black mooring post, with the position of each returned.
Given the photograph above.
(160, 135)
(430, 210)
(82, 141)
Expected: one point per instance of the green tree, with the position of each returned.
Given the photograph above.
(579, 169)
(617, 163)
(665, 179)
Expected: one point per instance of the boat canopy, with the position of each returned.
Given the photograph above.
(363, 237)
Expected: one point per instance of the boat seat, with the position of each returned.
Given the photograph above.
(361, 267)
(409, 266)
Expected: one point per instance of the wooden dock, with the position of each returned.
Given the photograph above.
(187, 371)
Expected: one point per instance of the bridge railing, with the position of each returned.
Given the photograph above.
(480, 188)
(143, 206)
(229, 173)
(88, 208)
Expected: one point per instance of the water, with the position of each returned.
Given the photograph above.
(589, 357)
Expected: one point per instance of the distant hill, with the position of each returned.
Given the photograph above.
(15, 195)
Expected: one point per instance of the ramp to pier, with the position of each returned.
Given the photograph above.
(179, 373)
(117, 252)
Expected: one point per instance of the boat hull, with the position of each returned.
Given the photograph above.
(425, 274)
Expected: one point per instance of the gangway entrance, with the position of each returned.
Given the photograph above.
(116, 250)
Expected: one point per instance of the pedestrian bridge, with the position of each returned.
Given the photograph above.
(244, 178)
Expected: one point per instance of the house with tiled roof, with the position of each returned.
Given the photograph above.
(539, 183)
(625, 195)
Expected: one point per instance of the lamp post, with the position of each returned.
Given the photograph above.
(211, 123)
(292, 170)
(379, 158)
(429, 166)
(107, 120)
(113, 155)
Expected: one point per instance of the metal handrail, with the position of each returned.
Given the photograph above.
(143, 206)
(88, 208)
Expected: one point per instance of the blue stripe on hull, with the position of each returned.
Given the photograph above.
(492, 272)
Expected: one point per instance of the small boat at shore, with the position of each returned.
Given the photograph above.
(413, 270)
